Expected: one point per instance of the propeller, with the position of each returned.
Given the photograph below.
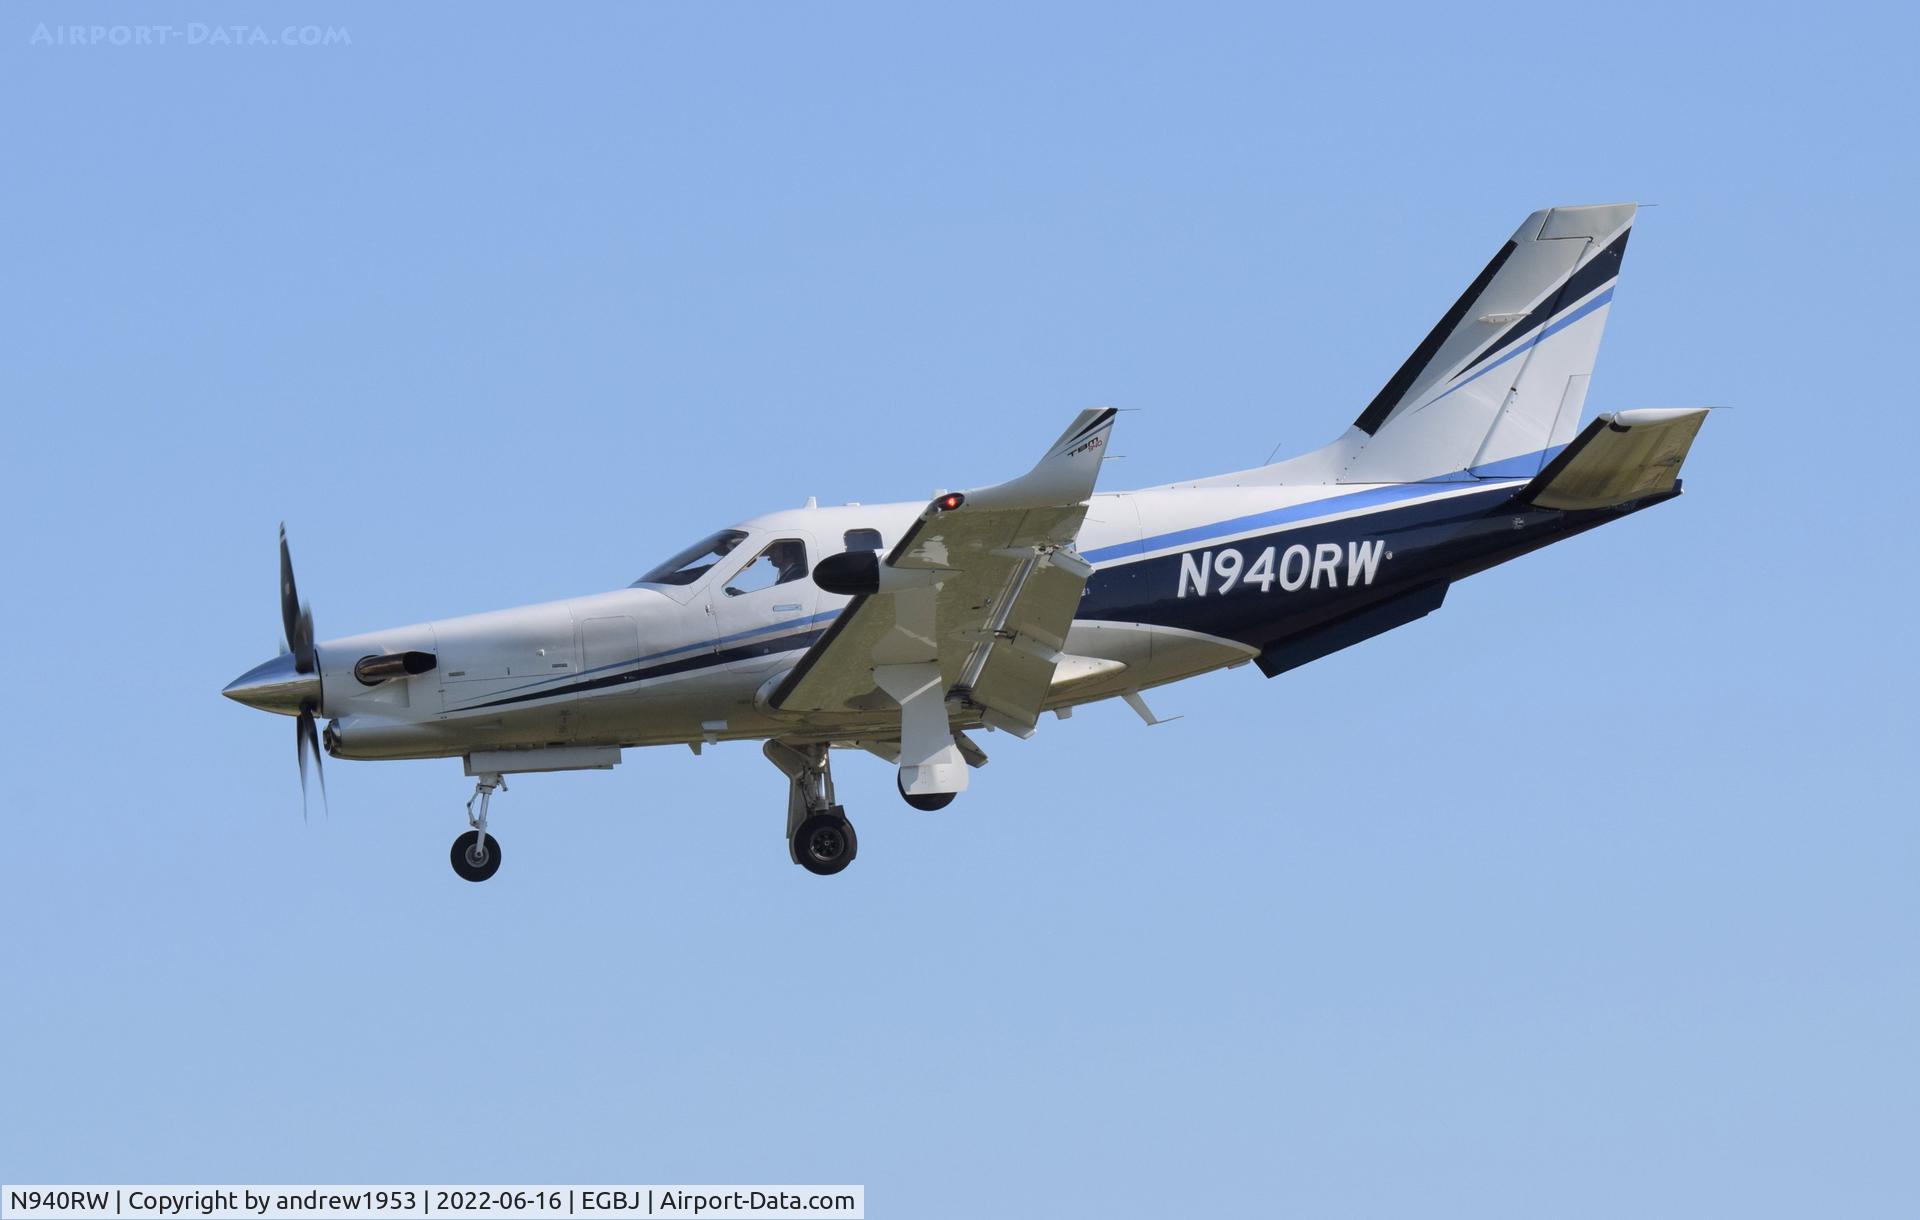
(297, 617)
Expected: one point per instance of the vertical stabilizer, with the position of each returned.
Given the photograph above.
(1498, 385)
(1503, 376)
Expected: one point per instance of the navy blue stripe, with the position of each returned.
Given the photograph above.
(1087, 431)
(1522, 467)
(1397, 386)
(1530, 344)
(1422, 544)
(783, 625)
(726, 656)
(1599, 269)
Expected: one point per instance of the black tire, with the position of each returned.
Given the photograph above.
(825, 843)
(466, 866)
(927, 801)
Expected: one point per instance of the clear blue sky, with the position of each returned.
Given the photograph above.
(1592, 895)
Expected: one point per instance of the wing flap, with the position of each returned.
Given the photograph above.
(1009, 670)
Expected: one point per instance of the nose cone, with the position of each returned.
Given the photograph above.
(275, 687)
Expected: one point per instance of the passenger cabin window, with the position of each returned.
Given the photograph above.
(691, 564)
(863, 540)
(782, 561)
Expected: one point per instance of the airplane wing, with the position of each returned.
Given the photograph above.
(983, 586)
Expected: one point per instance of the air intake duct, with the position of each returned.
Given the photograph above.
(374, 670)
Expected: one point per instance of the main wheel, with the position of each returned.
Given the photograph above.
(474, 860)
(825, 843)
(928, 801)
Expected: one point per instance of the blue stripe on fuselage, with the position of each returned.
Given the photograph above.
(1369, 498)
(1522, 467)
(1546, 332)
(697, 646)
(1414, 543)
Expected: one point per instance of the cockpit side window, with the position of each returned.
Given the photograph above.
(863, 540)
(691, 564)
(782, 561)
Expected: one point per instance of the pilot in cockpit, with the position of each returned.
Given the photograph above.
(789, 558)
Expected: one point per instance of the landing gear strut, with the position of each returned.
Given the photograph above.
(476, 854)
(819, 837)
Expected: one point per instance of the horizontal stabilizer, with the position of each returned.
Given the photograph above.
(1617, 458)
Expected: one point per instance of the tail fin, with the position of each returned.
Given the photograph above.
(1501, 380)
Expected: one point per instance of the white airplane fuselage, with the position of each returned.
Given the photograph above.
(659, 664)
(899, 628)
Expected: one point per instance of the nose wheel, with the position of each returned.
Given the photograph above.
(476, 854)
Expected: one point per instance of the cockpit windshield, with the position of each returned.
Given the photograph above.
(691, 564)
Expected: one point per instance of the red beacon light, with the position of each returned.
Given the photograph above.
(949, 502)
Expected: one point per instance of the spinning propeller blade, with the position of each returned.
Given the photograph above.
(297, 617)
(307, 736)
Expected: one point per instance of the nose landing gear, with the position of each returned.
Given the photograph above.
(476, 854)
(819, 837)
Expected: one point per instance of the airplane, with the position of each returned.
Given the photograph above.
(906, 629)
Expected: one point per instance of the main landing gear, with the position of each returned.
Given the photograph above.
(819, 837)
(476, 854)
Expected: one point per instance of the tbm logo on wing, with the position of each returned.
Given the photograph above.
(1297, 567)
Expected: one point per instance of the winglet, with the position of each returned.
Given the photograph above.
(1064, 476)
